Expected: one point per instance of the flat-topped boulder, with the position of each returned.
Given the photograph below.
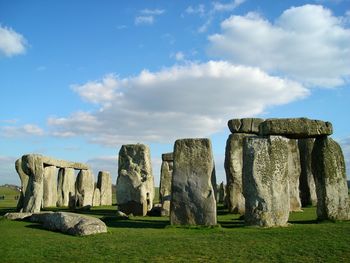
(245, 125)
(295, 128)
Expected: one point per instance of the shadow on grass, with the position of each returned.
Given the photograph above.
(134, 223)
(3, 211)
(304, 222)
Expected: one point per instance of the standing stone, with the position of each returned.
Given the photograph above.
(328, 167)
(84, 188)
(97, 198)
(222, 193)
(307, 183)
(294, 172)
(50, 186)
(24, 182)
(166, 173)
(135, 183)
(192, 194)
(33, 166)
(233, 169)
(265, 181)
(104, 183)
(65, 186)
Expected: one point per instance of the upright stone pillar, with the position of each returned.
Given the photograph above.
(84, 188)
(294, 172)
(135, 183)
(24, 182)
(307, 183)
(265, 181)
(328, 167)
(65, 186)
(222, 193)
(50, 186)
(192, 193)
(166, 174)
(96, 201)
(104, 183)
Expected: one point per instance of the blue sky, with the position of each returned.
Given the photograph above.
(80, 78)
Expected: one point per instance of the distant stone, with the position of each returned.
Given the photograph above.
(72, 224)
(85, 187)
(193, 197)
(296, 128)
(96, 201)
(50, 186)
(234, 169)
(294, 171)
(135, 183)
(265, 181)
(121, 215)
(222, 193)
(17, 216)
(328, 167)
(104, 183)
(166, 173)
(245, 125)
(307, 186)
(65, 186)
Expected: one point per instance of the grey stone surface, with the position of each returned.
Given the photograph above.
(96, 200)
(245, 125)
(166, 172)
(294, 171)
(295, 128)
(104, 183)
(70, 223)
(265, 181)
(17, 216)
(222, 193)
(234, 169)
(328, 166)
(84, 188)
(307, 183)
(65, 186)
(63, 164)
(50, 186)
(169, 157)
(193, 197)
(135, 183)
(24, 182)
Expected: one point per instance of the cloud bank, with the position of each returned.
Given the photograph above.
(11, 42)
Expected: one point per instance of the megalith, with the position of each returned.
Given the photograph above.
(307, 183)
(192, 194)
(24, 182)
(294, 172)
(135, 182)
(65, 186)
(104, 183)
(84, 188)
(265, 181)
(222, 193)
(50, 186)
(96, 200)
(166, 173)
(328, 167)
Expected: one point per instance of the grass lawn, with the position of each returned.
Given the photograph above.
(152, 239)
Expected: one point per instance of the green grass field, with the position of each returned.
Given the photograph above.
(152, 239)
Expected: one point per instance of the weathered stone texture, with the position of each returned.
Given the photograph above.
(328, 167)
(294, 172)
(24, 182)
(295, 128)
(104, 183)
(222, 193)
(84, 188)
(50, 186)
(166, 172)
(245, 125)
(193, 198)
(96, 200)
(307, 183)
(233, 169)
(265, 181)
(135, 183)
(65, 186)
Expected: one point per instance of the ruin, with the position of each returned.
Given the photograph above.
(192, 194)
(104, 184)
(135, 183)
(166, 174)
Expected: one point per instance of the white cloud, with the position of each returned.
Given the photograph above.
(179, 56)
(11, 42)
(22, 131)
(182, 101)
(153, 12)
(144, 20)
(225, 7)
(200, 10)
(306, 43)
